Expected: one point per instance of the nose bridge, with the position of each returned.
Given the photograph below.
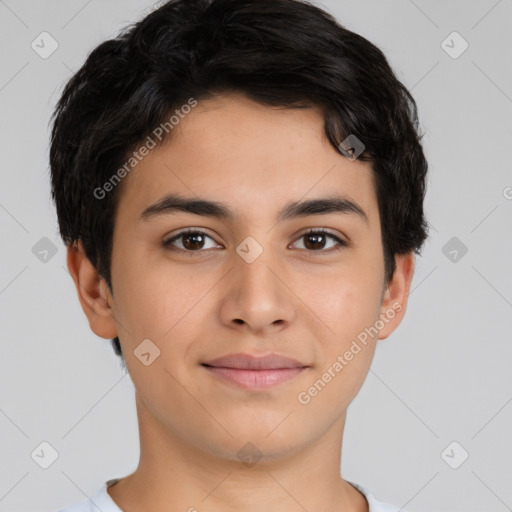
(256, 294)
(256, 266)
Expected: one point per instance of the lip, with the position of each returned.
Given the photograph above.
(255, 373)
(249, 362)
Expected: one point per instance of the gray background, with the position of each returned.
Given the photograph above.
(443, 376)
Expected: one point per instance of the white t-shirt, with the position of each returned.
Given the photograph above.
(101, 500)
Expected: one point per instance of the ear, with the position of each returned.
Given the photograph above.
(93, 292)
(395, 297)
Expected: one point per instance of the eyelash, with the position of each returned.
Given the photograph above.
(341, 243)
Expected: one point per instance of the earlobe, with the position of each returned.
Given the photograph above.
(396, 295)
(93, 294)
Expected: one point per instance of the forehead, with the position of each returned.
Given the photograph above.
(254, 157)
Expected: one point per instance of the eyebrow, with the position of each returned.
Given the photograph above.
(173, 203)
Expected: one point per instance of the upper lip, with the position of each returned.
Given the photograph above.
(250, 362)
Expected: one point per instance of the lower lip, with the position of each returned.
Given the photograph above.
(255, 380)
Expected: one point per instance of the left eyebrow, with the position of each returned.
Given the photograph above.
(173, 203)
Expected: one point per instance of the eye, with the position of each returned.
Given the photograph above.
(192, 240)
(317, 239)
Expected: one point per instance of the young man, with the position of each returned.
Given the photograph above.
(240, 185)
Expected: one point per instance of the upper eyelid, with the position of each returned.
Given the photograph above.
(186, 231)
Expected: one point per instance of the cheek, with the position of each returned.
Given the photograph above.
(157, 307)
(168, 305)
(146, 303)
(350, 300)
(350, 308)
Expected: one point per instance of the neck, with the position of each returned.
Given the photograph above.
(174, 474)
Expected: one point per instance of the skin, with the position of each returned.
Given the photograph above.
(205, 304)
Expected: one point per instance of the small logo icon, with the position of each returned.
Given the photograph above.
(146, 352)
(249, 249)
(44, 250)
(44, 455)
(454, 45)
(249, 454)
(351, 147)
(454, 249)
(454, 455)
(44, 45)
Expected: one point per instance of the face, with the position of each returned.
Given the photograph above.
(251, 281)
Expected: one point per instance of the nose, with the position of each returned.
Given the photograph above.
(257, 296)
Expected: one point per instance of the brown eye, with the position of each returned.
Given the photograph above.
(191, 241)
(316, 240)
